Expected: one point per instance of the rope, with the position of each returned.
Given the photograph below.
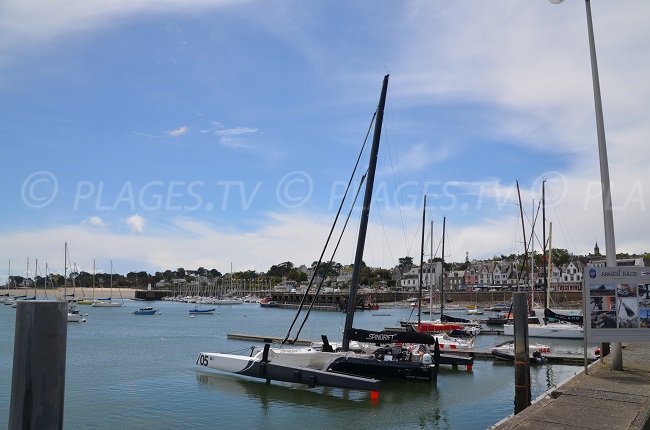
(318, 264)
(320, 285)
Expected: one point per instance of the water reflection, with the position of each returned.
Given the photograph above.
(421, 400)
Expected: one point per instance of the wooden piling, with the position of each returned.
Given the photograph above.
(38, 378)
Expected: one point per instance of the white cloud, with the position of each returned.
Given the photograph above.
(231, 142)
(233, 137)
(23, 24)
(420, 156)
(179, 131)
(95, 221)
(136, 223)
(299, 236)
(236, 131)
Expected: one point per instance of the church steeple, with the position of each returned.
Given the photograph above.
(596, 250)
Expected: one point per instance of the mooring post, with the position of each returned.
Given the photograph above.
(522, 361)
(38, 378)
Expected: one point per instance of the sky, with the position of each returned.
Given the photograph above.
(222, 133)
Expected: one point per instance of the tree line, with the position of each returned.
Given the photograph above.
(276, 273)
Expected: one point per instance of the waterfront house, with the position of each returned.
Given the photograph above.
(485, 274)
(472, 275)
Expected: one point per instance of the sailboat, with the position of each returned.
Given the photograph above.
(451, 332)
(74, 315)
(27, 280)
(567, 326)
(108, 302)
(325, 362)
(6, 298)
(88, 300)
(223, 300)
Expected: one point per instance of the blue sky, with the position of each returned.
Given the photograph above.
(183, 134)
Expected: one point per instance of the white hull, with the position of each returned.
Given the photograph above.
(272, 370)
(553, 330)
(225, 362)
(306, 357)
(75, 318)
(446, 342)
(228, 302)
(301, 357)
(107, 305)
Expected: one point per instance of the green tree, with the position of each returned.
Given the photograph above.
(280, 270)
(560, 257)
(327, 268)
(405, 263)
(168, 275)
(365, 275)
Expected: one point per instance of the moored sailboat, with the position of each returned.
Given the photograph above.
(108, 301)
(74, 315)
(544, 322)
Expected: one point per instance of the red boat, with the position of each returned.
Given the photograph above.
(267, 302)
(437, 327)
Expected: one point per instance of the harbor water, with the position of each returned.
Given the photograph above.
(139, 372)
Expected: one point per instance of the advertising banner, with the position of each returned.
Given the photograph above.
(617, 304)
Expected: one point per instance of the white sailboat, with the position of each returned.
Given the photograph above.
(108, 302)
(84, 300)
(74, 315)
(224, 300)
(563, 328)
(6, 298)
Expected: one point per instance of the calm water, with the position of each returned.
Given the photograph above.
(138, 372)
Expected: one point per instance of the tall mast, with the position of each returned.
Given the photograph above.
(532, 252)
(523, 230)
(544, 262)
(431, 274)
(424, 210)
(93, 279)
(111, 294)
(442, 272)
(550, 260)
(35, 275)
(65, 271)
(365, 212)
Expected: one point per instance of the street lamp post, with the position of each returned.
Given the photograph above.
(610, 246)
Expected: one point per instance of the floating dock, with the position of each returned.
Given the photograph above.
(482, 353)
(264, 339)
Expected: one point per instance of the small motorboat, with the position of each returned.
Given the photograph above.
(267, 302)
(506, 351)
(199, 311)
(146, 311)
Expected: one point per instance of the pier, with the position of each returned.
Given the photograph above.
(265, 339)
(602, 399)
(482, 353)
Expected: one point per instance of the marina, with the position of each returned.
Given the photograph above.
(144, 368)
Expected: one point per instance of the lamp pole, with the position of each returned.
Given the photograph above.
(610, 246)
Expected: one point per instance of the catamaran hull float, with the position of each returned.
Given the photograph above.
(256, 368)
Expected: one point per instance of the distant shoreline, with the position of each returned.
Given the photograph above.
(125, 293)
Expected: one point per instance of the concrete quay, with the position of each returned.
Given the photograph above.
(604, 399)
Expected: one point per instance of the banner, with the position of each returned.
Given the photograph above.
(617, 304)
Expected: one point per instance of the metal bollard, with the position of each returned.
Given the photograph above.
(38, 378)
